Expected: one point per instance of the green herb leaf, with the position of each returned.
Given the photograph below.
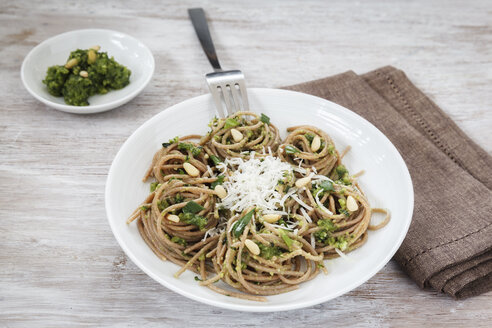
(341, 171)
(240, 224)
(219, 181)
(195, 151)
(215, 159)
(289, 149)
(154, 186)
(190, 218)
(327, 185)
(230, 123)
(309, 137)
(178, 240)
(192, 207)
(285, 238)
(170, 142)
(265, 119)
(197, 278)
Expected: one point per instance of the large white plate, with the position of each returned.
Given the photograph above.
(387, 184)
(125, 49)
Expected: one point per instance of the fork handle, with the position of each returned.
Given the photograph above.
(197, 16)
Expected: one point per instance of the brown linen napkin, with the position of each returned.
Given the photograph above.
(449, 243)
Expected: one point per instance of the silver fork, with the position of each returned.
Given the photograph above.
(226, 87)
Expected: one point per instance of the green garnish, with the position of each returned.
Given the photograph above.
(162, 205)
(289, 149)
(192, 207)
(179, 241)
(285, 238)
(230, 123)
(195, 151)
(197, 278)
(144, 208)
(327, 185)
(327, 227)
(190, 218)
(267, 252)
(154, 186)
(219, 181)
(341, 171)
(265, 119)
(170, 142)
(215, 159)
(309, 137)
(240, 224)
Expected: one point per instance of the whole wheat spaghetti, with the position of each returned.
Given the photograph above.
(242, 208)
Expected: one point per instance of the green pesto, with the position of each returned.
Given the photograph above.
(195, 151)
(267, 252)
(104, 75)
(197, 220)
(179, 241)
(219, 181)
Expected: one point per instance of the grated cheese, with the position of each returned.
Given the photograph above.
(253, 183)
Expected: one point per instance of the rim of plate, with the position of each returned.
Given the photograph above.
(263, 307)
(91, 109)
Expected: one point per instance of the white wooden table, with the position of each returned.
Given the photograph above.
(60, 265)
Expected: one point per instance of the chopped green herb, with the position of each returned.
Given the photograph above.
(289, 149)
(331, 149)
(327, 227)
(170, 142)
(181, 171)
(154, 186)
(327, 185)
(219, 181)
(230, 123)
(267, 252)
(162, 205)
(285, 238)
(309, 137)
(190, 218)
(215, 159)
(178, 240)
(197, 278)
(341, 171)
(144, 208)
(240, 224)
(265, 119)
(192, 207)
(195, 151)
(178, 198)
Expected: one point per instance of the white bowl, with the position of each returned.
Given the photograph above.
(125, 49)
(386, 183)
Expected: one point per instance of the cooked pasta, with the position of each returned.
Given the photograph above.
(245, 209)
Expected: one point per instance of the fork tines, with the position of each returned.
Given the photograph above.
(229, 88)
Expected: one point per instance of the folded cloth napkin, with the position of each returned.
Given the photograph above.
(449, 244)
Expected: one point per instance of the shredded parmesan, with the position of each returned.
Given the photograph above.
(253, 183)
(306, 216)
(306, 206)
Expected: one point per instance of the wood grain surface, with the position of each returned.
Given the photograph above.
(60, 265)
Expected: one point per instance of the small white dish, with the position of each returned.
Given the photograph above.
(386, 183)
(125, 49)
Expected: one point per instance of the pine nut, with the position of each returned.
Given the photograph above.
(191, 170)
(95, 48)
(71, 63)
(91, 56)
(206, 156)
(251, 245)
(303, 182)
(84, 74)
(220, 191)
(271, 218)
(352, 204)
(173, 218)
(236, 135)
(316, 144)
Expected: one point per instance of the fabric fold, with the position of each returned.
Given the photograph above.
(450, 239)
